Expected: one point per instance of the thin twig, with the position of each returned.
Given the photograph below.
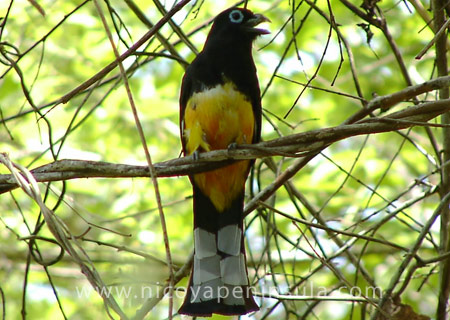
(147, 156)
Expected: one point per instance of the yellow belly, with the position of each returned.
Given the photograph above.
(214, 119)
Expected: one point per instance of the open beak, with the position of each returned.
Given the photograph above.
(256, 20)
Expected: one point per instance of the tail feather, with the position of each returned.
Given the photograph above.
(233, 270)
(207, 269)
(229, 239)
(219, 281)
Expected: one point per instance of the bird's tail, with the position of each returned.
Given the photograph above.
(219, 282)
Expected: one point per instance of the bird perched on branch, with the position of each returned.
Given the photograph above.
(220, 105)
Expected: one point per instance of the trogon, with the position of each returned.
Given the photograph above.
(220, 105)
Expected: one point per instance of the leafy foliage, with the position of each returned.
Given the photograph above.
(332, 242)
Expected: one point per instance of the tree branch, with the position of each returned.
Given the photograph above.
(295, 145)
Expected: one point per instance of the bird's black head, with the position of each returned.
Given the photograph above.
(237, 24)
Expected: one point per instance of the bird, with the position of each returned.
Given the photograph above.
(220, 107)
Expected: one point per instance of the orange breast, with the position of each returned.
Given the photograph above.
(213, 119)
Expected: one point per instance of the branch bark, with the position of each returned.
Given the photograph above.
(442, 69)
(295, 145)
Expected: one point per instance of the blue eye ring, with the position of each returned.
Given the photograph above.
(236, 16)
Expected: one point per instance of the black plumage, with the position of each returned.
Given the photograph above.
(220, 105)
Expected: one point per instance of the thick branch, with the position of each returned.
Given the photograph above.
(296, 145)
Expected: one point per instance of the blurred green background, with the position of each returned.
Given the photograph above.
(352, 185)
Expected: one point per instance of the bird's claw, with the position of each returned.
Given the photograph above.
(232, 146)
(196, 155)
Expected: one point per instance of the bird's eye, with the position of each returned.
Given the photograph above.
(236, 16)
